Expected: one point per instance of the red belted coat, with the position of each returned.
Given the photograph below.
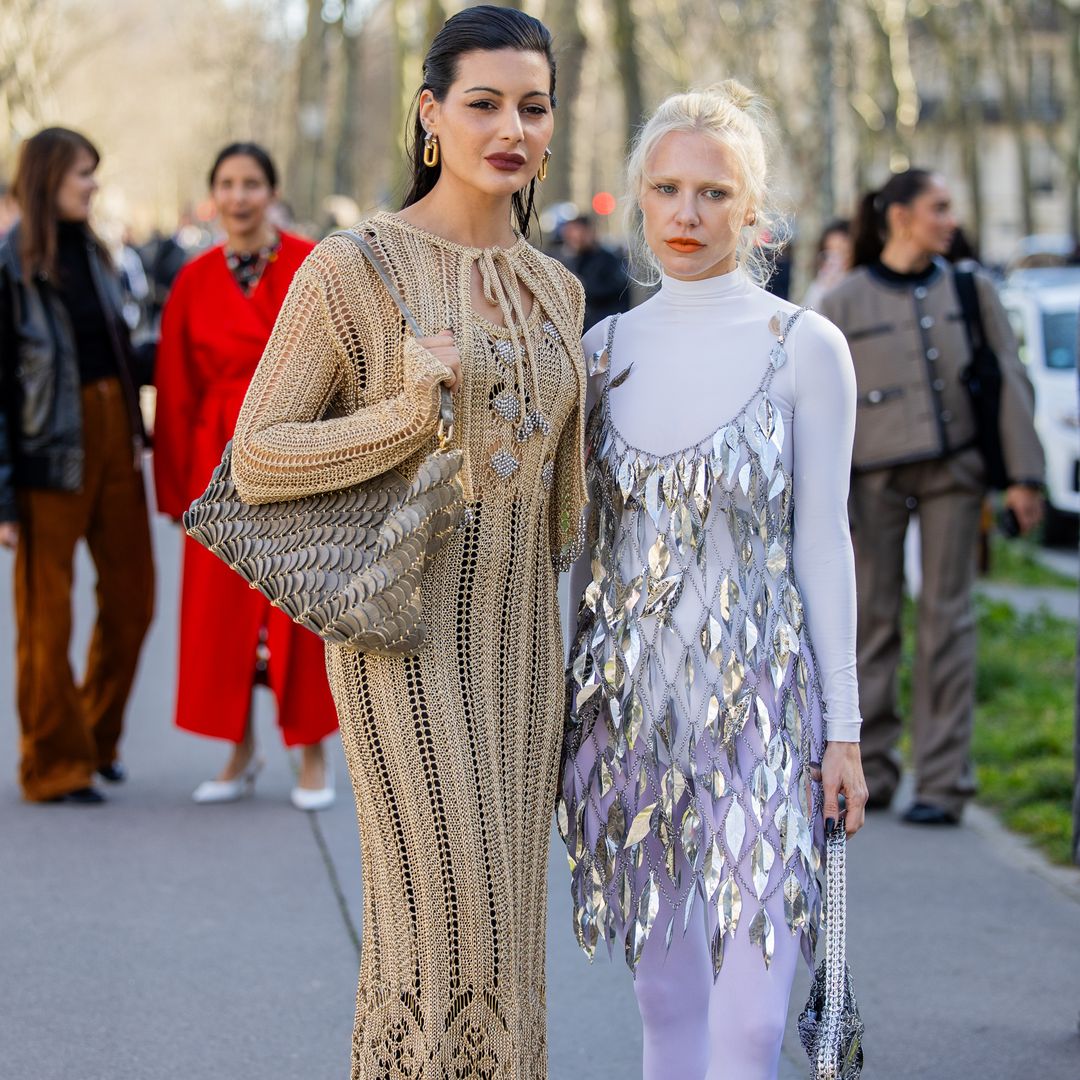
(212, 337)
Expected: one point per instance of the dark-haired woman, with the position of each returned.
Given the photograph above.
(215, 326)
(915, 452)
(70, 468)
(454, 751)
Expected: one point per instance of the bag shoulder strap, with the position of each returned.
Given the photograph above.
(384, 274)
(446, 400)
(968, 294)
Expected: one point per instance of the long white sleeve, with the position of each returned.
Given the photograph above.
(824, 429)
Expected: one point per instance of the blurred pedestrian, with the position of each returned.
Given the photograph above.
(9, 210)
(600, 270)
(917, 452)
(71, 444)
(163, 256)
(772, 606)
(453, 750)
(215, 326)
(832, 261)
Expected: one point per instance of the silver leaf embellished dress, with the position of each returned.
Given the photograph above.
(716, 621)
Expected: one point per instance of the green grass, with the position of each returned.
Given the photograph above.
(1023, 742)
(1013, 562)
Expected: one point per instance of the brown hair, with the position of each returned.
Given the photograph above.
(44, 161)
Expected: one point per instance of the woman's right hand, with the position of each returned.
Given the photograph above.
(9, 534)
(443, 348)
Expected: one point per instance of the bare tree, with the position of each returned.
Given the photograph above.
(570, 46)
(1003, 19)
(26, 43)
(348, 107)
(311, 115)
(624, 38)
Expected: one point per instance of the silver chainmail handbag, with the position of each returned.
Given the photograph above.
(830, 1026)
(344, 564)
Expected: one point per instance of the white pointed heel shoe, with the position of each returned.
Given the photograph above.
(224, 791)
(316, 798)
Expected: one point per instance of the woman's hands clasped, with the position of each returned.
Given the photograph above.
(842, 773)
(444, 349)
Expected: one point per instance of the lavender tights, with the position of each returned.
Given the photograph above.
(695, 1029)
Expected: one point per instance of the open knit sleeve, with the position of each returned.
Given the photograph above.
(569, 498)
(337, 346)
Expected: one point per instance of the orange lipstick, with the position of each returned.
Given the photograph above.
(685, 244)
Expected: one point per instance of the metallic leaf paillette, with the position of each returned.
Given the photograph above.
(735, 830)
(763, 936)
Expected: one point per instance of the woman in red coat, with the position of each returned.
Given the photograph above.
(214, 329)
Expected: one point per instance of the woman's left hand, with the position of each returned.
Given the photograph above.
(842, 773)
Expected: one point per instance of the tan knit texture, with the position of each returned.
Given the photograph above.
(453, 753)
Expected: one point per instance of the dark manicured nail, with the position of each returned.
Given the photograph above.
(830, 824)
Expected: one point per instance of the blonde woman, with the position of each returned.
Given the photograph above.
(715, 716)
(454, 752)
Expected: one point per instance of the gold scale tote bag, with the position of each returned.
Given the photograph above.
(345, 564)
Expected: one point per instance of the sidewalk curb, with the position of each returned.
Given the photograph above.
(1021, 853)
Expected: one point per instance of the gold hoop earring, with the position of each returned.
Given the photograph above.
(542, 173)
(431, 150)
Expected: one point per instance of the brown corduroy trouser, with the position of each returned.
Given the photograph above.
(68, 731)
(947, 496)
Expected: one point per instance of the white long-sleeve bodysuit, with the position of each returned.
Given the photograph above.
(715, 642)
(715, 638)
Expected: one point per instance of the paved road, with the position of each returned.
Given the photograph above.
(152, 939)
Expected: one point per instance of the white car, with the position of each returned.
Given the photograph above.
(1043, 306)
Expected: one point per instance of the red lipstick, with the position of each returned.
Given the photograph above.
(505, 162)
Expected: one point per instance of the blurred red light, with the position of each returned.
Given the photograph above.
(603, 203)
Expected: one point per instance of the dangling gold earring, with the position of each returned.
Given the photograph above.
(431, 150)
(543, 171)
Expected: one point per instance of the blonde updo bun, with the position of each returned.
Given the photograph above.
(742, 97)
(739, 120)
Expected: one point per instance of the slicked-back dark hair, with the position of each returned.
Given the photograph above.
(485, 28)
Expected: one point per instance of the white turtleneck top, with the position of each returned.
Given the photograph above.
(700, 350)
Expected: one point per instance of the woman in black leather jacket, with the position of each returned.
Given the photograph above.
(70, 468)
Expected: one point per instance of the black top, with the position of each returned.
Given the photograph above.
(93, 342)
(918, 277)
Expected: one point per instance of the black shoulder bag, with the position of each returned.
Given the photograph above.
(982, 377)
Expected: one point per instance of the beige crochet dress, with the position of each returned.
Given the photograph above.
(453, 753)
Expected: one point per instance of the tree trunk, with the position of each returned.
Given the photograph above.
(311, 117)
(624, 38)
(954, 36)
(399, 107)
(434, 17)
(1013, 112)
(570, 46)
(823, 33)
(347, 128)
